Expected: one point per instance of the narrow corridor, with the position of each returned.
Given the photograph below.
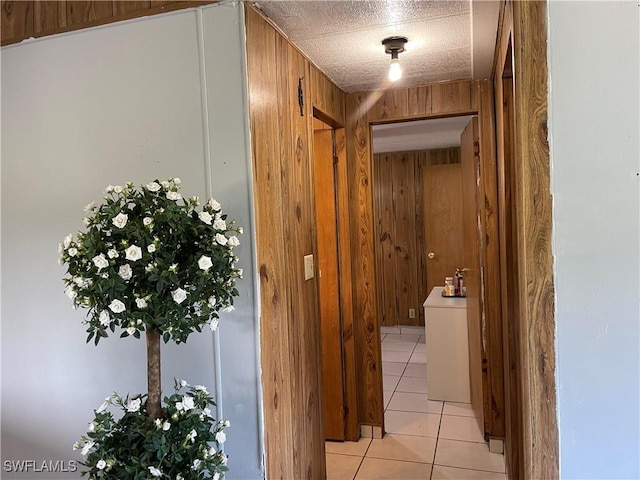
(425, 439)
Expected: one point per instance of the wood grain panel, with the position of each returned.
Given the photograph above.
(352, 430)
(49, 16)
(368, 351)
(17, 19)
(80, 12)
(274, 295)
(422, 289)
(534, 203)
(385, 239)
(452, 96)
(130, 6)
(326, 96)
(444, 156)
(419, 100)
(392, 104)
(406, 273)
(494, 408)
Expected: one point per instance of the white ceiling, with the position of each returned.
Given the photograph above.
(447, 39)
(419, 134)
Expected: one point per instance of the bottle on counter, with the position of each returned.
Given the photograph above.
(458, 283)
(449, 289)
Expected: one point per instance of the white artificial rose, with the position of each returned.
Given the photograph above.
(117, 189)
(120, 220)
(221, 437)
(192, 435)
(207, 412)
(201, 388)
(239, 272)
(214, 324)
(141, 303)
(87, 447)
(133, 405)
(101, 464)
(131, 330)
(165, 184)
(205, 263)
(166, 426)
(205, 217)
(104, 318)
(214, 205)
(67, 241)
(70, 292)
(174, 196)
(179, 406)
(90, 206)
(187, 402)
(151, 248)
(226, 424)
(72, 252)
(146, 221)
(112, 253)
(221, 239)
(196, 464)
(229, 308)
(219, 224)
(233, 241)
(212, 451)
(212, 302)
(177, 181)
(103, 406)
(153, 186)
(100, 261)
(179, 295)
(125, 272)
(183, 383)
(155, 472)
(133, 253)
(109, 188)
(116, 306)
(240, 230)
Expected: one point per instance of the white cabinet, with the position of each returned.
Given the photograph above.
(447, 347)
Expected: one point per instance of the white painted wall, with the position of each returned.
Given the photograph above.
(595, 154)
(151, 98)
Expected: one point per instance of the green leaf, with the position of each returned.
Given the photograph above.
(90, 336)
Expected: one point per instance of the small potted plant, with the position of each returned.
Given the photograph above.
(152, 262)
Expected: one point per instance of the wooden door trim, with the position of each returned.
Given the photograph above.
(534, 223)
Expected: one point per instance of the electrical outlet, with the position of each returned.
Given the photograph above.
(308, 267)
(412, 313)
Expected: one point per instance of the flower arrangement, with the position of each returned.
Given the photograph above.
(152, 261)
(183, 445)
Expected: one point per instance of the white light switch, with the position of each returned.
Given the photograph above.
(308, 267)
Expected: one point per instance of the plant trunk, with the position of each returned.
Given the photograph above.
(154, 407)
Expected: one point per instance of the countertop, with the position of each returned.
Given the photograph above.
(436, 300)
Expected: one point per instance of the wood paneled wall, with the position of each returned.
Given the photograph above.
(22, 19)
(286, 231)
(462, 97)
(525, 229)
(401, 279)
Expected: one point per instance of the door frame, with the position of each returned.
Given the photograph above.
(352, 430)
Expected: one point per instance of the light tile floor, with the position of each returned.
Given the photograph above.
(424, 439)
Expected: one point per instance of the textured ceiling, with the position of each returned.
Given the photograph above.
(343, 38)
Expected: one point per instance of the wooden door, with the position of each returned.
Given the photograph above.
(328, 284)
(442, 201)
(470, 157)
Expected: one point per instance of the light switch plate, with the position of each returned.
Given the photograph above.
(308, 267)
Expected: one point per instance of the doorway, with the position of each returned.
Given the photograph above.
(334, 280)
(417, 213)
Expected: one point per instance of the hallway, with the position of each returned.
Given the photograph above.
(425, 439)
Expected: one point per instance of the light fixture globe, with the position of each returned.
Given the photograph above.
(394, 46)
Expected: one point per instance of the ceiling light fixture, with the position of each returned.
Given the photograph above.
(394, 46)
